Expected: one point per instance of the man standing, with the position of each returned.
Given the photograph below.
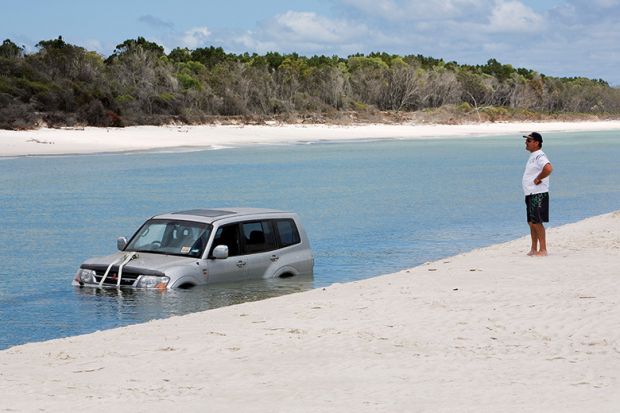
(536, 189)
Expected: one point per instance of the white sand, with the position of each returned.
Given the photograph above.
(492, 330)
(94, 140)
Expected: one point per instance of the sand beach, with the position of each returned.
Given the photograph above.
(486, 331)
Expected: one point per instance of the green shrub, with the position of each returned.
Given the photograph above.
(359, 106)
(166, 97)
(464, 107)
(188, 81)
(495, 113)
(122, 99)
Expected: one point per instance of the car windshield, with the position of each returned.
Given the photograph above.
(166, 236)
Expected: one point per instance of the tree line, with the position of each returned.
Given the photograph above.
(66, 85)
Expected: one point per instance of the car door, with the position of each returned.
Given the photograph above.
(259, 244)
(233, 267)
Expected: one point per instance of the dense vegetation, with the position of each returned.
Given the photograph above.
(66, 85)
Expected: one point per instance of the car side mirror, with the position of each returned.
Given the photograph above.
(220, 252)
(121, 243)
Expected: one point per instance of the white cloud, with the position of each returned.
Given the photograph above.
(413, 10)
(515, 17)
(587, 11)
(311, 27)
(195, 37)
(93, 44)
(249, 41)
(387, 9)
(306, 33)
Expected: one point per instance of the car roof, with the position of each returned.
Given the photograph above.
(211, 215)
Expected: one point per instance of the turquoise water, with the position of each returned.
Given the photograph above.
(369, 208)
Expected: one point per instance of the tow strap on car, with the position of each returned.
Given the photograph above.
(125, 259)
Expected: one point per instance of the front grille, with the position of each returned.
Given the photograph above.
(127, 280)
(129, 276)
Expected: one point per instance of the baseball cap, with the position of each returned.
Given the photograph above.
(534, 135)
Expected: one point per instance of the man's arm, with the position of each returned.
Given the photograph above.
(546, 171)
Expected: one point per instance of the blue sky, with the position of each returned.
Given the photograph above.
(557, 38)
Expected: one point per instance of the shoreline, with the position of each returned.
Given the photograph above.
(90, 140)
(487, 330)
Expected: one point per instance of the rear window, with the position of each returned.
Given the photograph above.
(287, 232)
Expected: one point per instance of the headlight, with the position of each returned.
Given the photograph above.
(85, 276)
(152, 281)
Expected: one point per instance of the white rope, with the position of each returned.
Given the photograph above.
(125, 259)
(120, 268)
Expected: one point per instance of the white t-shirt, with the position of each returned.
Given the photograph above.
(534, 165)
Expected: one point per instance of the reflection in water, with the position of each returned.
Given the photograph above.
(132, 306)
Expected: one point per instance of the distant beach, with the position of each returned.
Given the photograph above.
(143, 138)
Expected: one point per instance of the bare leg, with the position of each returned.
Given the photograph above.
(534, 247)
(542, 239)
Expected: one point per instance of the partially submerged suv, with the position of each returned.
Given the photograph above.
(201, 246)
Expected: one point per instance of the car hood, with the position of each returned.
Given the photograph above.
(145, 263)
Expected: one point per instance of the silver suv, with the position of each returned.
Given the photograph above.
(201, 246)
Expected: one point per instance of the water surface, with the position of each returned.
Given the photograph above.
(369, 208)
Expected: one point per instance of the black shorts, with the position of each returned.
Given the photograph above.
(537, 206)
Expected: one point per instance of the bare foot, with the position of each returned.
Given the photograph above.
(532, 253)
(541, 254)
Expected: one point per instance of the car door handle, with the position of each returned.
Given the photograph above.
(240, 264)
(274, 258)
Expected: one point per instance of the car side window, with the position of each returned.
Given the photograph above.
(227, 235)
(287, 232)
(258, 236)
